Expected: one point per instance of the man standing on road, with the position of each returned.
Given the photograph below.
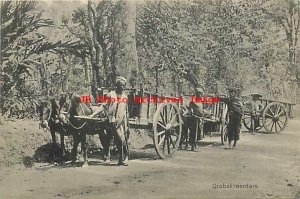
(235, 111)
(256, 108)
(193, 122)
(117, 116)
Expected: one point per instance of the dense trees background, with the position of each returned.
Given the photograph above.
(166, 47)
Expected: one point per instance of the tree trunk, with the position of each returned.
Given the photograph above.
(86, 72)
(127, 65)
(94, 50)
(43, 80)
(293, 21)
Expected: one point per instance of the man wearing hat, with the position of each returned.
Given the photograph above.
(256, 108)
(116, 112)
(235, 111)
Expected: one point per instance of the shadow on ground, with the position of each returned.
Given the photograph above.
(50, 153)
(258, 132)
(47, 153)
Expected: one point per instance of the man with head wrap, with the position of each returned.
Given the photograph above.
(116, 112)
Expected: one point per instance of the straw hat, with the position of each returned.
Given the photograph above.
(256, 95)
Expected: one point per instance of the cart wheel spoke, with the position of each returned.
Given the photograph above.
(174, 133)
(281, 121)
(269, 115)
(278, 109)
(172, 142)
(158, 122)
(269, 123)
(165, 138)
(175, 125)
(275, 126)
(280, 114)
(171, 113)
(278, 124)
(162, 117)
(274, 109)
(164, 144)
(168, 144)
(272, 126)
(160, 133)
(162, 140)
(285, 117)
(166, 114)
(174, 118)
(270, 109)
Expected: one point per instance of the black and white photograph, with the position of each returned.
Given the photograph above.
(151, 99)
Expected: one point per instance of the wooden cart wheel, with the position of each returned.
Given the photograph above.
(224, 123)
(224, 130)
(167, 129)
(275, 117)
(247, 120)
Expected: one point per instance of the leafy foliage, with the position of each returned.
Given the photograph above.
(220, 41)
(22, 47)
(180, 45)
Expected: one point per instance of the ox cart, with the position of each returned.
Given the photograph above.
(213, 120)
(273, 118)
(161, 116)
(164, 118)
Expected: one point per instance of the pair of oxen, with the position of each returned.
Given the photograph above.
(60, 117)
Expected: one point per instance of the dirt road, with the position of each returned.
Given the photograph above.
(263, 166)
